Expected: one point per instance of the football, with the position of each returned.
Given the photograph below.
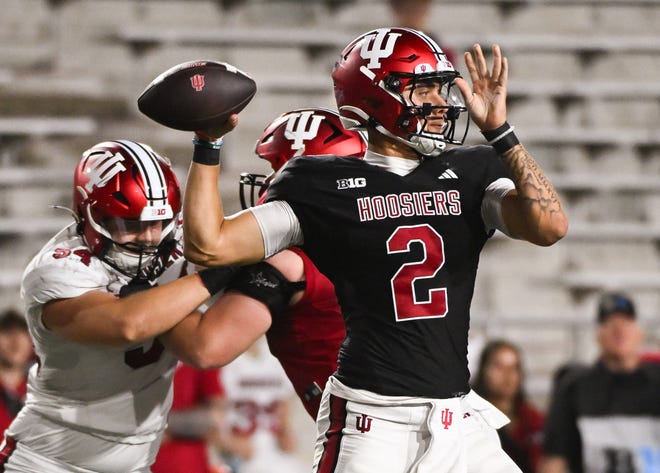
(196, 95)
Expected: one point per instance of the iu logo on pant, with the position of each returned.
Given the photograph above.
(363, 423)
(446, 417)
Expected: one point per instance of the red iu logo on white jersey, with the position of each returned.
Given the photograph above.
(197, 82)
(378, 46)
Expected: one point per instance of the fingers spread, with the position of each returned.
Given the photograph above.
(465, 90)
(497, 62)
(469, 64)
(482, 65)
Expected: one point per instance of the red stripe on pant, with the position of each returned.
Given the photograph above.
(333, 435)
(8, 448)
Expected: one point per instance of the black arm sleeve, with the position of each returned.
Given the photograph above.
(265, 283)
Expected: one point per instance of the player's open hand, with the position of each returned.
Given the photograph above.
(486, 100)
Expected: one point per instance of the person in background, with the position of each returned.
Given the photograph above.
(606, 417)
(16, 356)
(414, 14)
(499, 379)
(195, 421)
(259, 397)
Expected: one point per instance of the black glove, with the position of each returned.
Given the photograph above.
(136, 285)
(216, 279)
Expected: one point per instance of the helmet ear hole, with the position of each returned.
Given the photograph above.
(392, 83)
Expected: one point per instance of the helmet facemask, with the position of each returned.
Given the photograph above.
(134, 258)
(415, 121)
(251, 188)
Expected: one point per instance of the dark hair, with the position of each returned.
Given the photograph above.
(12, 319)
(487, 354)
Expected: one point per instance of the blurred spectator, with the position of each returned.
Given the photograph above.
(606, 417)
(499, 379)
(195, 419)
(414, 14)
(259, 396)
(16, 356)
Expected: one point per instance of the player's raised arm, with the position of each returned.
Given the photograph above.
(533, 211)
(206, 96)
(210, 238)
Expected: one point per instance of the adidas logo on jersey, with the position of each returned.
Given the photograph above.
(448, 174)
(351, 183)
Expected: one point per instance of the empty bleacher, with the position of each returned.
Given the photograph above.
(583, 95)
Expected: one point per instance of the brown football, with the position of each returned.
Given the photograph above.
(197, 95)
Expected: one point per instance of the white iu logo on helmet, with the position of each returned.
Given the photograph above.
(104, 169)
(374, 49)
(301, 127)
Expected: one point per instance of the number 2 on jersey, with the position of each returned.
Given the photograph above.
(407, 306)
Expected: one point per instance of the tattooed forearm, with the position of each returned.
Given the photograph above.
(532, 184)
(539, 217)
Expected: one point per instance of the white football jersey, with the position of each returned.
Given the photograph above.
(255, 386)
(114, 393)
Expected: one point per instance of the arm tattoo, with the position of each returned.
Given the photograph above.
(532, 185)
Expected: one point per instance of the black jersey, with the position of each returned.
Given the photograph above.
(402, 252)
(599, 420)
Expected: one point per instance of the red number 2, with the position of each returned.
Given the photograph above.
(407, 306)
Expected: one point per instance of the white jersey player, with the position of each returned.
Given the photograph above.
(99, 395)
(259, 394)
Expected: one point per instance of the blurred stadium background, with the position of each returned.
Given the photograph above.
(584, 97)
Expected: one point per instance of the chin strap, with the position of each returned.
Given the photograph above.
(423, 145)
(427, 146)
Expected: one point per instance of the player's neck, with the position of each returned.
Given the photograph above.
(394, 164)
(382, 144)
(621, 364)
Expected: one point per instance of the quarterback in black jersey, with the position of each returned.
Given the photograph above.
(399, 234)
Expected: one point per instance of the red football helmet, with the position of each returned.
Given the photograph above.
(370, 78)
(306, 131)
(124, 188)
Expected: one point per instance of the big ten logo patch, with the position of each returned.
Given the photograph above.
(301, 127)
(351, 183)
(378, 46)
